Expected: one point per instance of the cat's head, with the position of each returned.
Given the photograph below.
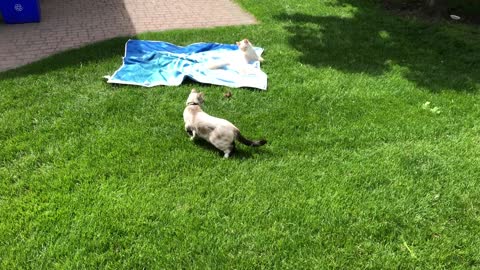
(195, 97)
(244, 44)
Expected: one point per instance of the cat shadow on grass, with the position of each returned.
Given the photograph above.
(435, 56)
(240, 152)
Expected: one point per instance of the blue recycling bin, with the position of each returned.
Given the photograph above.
(20, 11)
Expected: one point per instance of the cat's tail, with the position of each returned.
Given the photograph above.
(248, 142)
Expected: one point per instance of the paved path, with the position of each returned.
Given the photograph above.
(71, 23)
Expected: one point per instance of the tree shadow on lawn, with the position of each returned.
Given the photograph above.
(436, 56)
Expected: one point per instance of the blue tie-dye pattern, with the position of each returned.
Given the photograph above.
(152, 63)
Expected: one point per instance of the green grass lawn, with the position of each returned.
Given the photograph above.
(358, 173)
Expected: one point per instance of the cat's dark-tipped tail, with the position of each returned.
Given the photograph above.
(248, 142)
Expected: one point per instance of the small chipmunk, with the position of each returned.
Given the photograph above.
(227, 94)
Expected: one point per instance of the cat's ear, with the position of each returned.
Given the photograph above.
(200, 97)
(194, 90)
(238, 43)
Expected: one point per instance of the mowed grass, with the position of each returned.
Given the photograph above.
(356, 172)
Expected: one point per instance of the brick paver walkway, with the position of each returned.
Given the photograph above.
(71, 23)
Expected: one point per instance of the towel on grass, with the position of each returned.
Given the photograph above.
(152, 63)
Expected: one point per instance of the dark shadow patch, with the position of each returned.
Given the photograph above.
(65, 25)
(436, 56)
(238, 153)
(75, 58)
(468, 11)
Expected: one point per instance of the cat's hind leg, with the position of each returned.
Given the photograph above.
(223, 141)
(224, 146)
(229, 150)
(191, 133)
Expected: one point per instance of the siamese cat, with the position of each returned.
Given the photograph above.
(219, 132)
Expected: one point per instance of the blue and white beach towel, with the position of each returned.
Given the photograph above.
(152, 63)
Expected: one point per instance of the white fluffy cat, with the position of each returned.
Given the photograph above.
(247, 48)
(245, 55)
